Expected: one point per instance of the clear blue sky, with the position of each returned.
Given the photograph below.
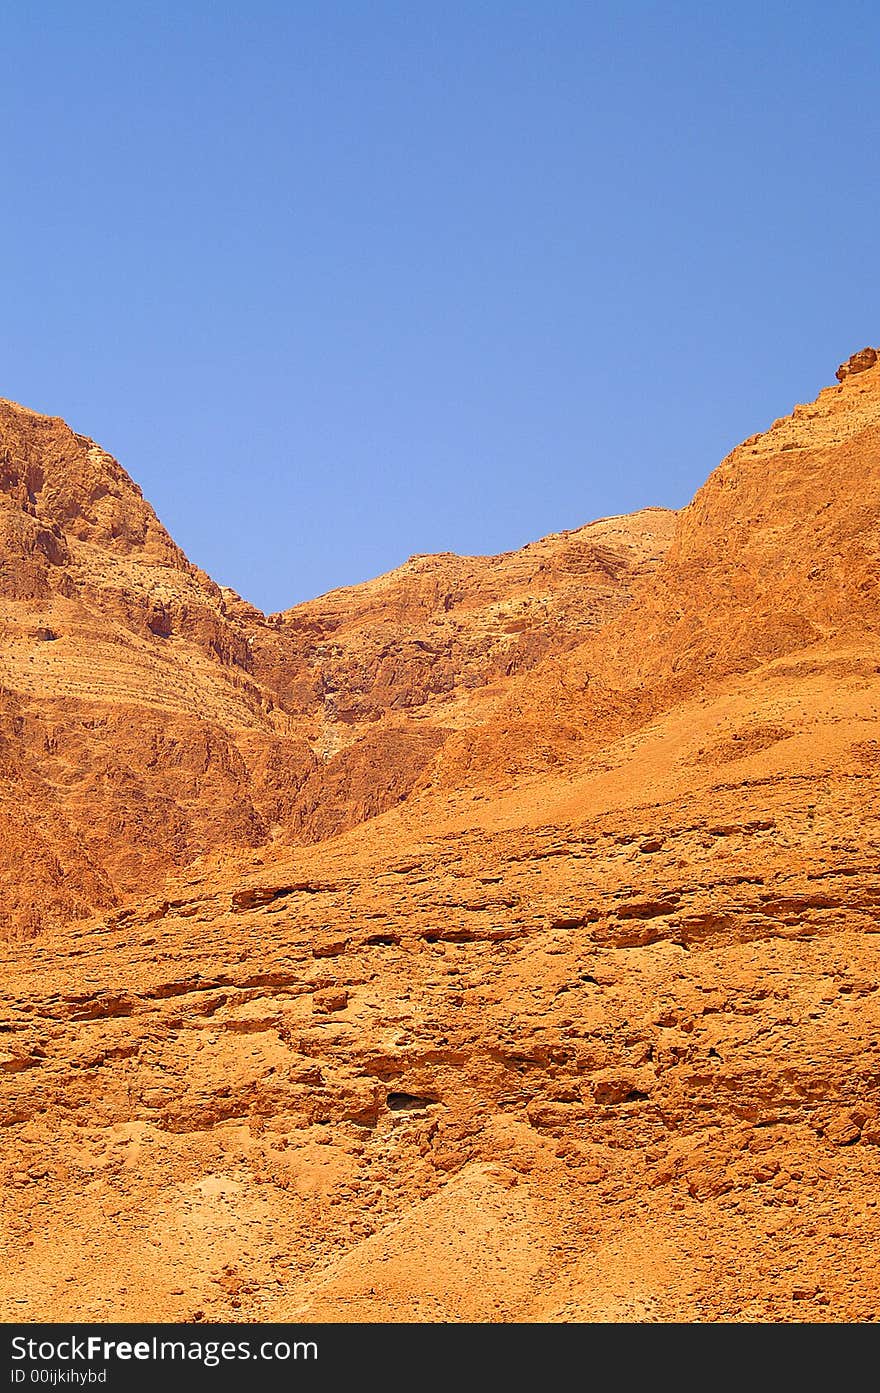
(340, 282)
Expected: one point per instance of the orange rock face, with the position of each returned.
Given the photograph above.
(492, 941)
(859, 362)
(149, 718)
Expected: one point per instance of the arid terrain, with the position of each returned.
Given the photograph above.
(497, 940)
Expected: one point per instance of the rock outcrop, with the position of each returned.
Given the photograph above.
(858, 362)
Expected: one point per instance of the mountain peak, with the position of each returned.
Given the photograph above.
(67, 482)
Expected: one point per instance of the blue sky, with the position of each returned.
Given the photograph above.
(341, 282)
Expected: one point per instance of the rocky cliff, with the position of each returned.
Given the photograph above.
(149, 718)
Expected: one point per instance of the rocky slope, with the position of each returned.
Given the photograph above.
(778, 554)
(587, 1027)
(148, 718)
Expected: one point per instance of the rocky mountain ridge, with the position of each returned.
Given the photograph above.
(149, 718)
(583, 1026)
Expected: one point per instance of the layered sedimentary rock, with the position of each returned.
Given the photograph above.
(577, 1017)
(149, 718)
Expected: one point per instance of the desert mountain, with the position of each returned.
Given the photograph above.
(148, 718)
(517, 954)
